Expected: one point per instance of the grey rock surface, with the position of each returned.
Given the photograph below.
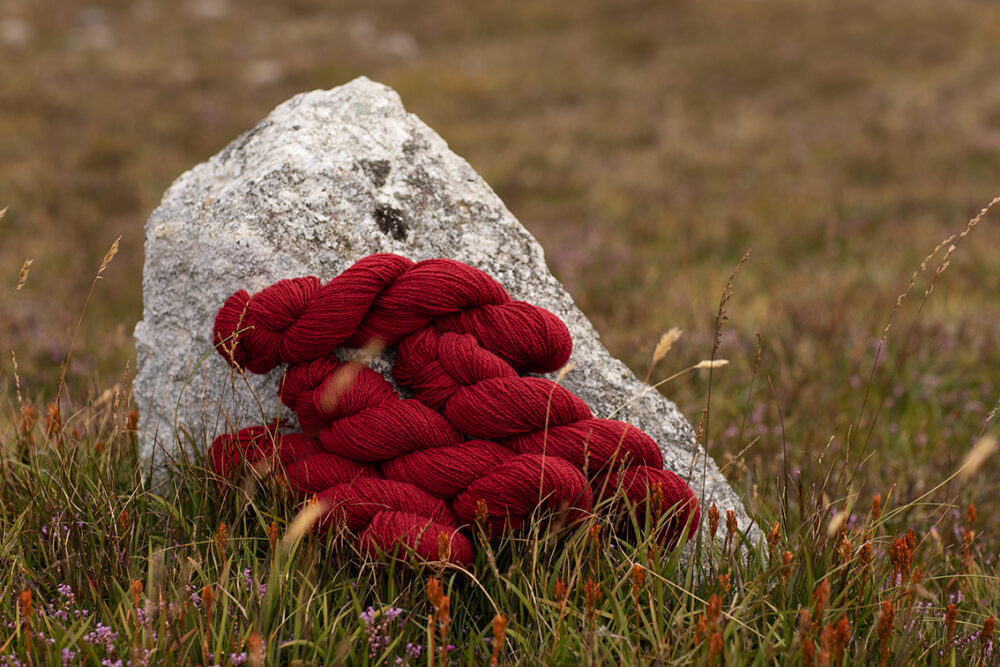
(327, 178)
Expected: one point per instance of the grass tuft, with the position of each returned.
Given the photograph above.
(100, 568)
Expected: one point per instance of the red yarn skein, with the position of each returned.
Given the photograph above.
(386, 466)
(232, 454)
(384, 298)
(364, 419)
(482, 399)
(389, 514)
(308, 468)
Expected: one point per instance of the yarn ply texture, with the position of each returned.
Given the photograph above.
(480, 442)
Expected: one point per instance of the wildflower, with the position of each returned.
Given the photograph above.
(102, 636)
(25, 604)
(444, 546)
(865, 553)
(656, 499)
(950, 616)
(434, 591)
(724, 584)
(820, 597)
(918, 577)
(444, 620)
(845, 549)
(876, 512)
(714, 610)
(135, 591)
(559, 591)
(886, 620)
(220, 540)
(841, 638)
(195, 596)
(901, 553)
(29, 416)
(413, 650)
(255, 650)
(808, 653)
(483, 520)
(592, 595)
(730, 527)
(709, 621)
(826, 642)
(207, 598)
(714, 648)
(594, 532)
(970, 514)
(774, 537)
(805, 623)
(377, 631)
(638, 580)
(441, 616)
(986, 637)
(499, 631)
(272, 533)
(713, 520)
(701, 630)
(786, 569)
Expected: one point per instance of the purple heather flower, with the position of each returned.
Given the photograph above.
(102, 635)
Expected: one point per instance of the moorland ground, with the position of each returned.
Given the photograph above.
(647, 145)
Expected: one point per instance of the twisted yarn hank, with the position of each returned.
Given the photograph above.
(383, 298)
(463, 342)
(482, 399)
(387, 513)
(364, 420)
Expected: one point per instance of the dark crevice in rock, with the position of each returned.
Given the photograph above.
(377, 170)
(390, 221)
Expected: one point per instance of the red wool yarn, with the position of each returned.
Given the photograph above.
(363, 419)
(412, 533)
(351, 494)
(381, 299)
(482, 399)
(401, 471)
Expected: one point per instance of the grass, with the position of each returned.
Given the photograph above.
(104, 568)
(100, 568)
(648, 146)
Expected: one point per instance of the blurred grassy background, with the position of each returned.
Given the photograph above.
(646, 144)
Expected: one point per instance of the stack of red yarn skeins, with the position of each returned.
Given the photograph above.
(480, 442)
